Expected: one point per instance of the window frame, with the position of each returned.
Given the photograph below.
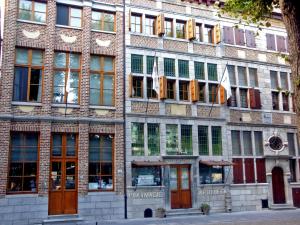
(70, 16)
(181, 33)
(151, 94)
(157, 167)
(171, 29)
(140, 135)
(173, 90)
(135, 80)
(133, 23)
(32, 12)
(184, 90)
(102, 20)
(155, 125)
(151, 26)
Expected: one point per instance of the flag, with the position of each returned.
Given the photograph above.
(225, 83)
(68, 85)
(155, 78)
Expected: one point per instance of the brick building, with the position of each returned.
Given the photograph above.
(241, 155)
(61, 110)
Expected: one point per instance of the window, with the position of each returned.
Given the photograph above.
(199, 70)
(213, 97)
(201, 92)
(238, 171)
(261, 171)
(199, 32)
(231, 72)
(183, 68)
(168, 27)
(203, 140)
(137, 87)
(150, 25)
(258, 140)
(253, 77)
(244, 98)
(153, 139)
(146, 176)
(150, 64)
(136, 23)
(274, 79)
(232, 102)
(285, 102)
(101, 162)
(236, 143)
(171, 94)
(239, 37)
(169, 67)
(68, 16)
(32, 10)
(208, 33)
(271, 42)
(183, 90)
(293, 168)
(242, 76)
(150, 92)
(291, 144)
(281, 43)
(103, 21)
(66, 75)
(28, 75)
(102, 80)
(247, 139)
(284, 80)
(216, 137)
(180, 29)
(249, 170)
(171, 139)
(250, 38)
(136, 63)
(186, 140)
(212, 72)
(137, 139)
(23, 163)
(211, 174)
(275, 100)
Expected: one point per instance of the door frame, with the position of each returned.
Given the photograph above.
(278, 174)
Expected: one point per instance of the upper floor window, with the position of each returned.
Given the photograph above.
(68, 16)
(168, 27)
(32, 10)
(136, 63)
(137, 139)
(136, 23)
(183, 68)
(169, 67)
(212, 72)
(199, 70)
(180, 29)
(23, 163)
(276, 42)
(103, 21)
(66, 78)
(102, 80)
(28, 75)
(150, 25)
(208, 33)
(199, 32)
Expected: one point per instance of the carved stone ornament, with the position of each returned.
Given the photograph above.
(102, 43)
(31, 34)
(68, 39)
(276, 144)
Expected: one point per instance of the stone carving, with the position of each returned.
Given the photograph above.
(102, 43)
(68, 39)
(31, 34)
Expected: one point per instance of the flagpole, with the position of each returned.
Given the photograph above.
(218, 87)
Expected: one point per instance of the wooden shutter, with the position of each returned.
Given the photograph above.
(130, 78)
(239, 37)
(162, 87)
(238, 171)
(255, 102)
(271, 42)
(194, 90)
(281, 47)
(222, 94)
(160, 24)
(217, 34)
(261, 170)
(228, 35)
(129, 20)
(249, 170)
(250, 39)
(191, 29)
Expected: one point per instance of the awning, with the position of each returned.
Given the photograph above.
(149, 163)
(216, 163)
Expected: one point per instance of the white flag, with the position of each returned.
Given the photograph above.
(226, 83)
(155, 78)
(68, 85)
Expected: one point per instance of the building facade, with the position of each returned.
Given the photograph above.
(187, 145)
(61, 113)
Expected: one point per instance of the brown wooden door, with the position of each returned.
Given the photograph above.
(180, 185)
(296, 197)
(63, 175)
(278, 186)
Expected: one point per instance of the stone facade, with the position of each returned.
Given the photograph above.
(46, 118)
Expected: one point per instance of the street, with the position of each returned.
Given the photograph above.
(282, 217)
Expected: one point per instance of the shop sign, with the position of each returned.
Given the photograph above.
(155, 194)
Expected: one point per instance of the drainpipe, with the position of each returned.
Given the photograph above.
(124, 108)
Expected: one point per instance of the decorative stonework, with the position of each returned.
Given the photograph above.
(31, 34)
(102, 43)
(68, 39)
(276, 144)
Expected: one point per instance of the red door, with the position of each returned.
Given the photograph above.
(180, 187)
(278, 186)
(296, 197)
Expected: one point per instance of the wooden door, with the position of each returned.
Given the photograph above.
(296, 197)
(180, 185)
(63, 175)
(278, 186)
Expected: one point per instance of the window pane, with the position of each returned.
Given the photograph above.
(39, 7)
(203, 140)
(137, 138)
(274, 80)
(40, 17)
(108, 90)
(37, 58)
(108, 64)
(183, 68)
(183, 90)
(242, 76)
(71, 144)
(231, 72)
(75, 61)
(20, 84)
(169, 67)
(75, 12)
(95, 63)
(136, 63)
(202, 92)
(146, 176)
(213, 95)
(21, 56)
(236, 142)
(56, 144)
(253, 77)
(25, 4)
(216, 140)
(24, 14)
(108, 22)
(212, 72)
(284, 81)
(172, 139)
(75, 22)
(35, 85)
(95, 96)
(60, 60)
(199, 70)
(62, 14)
(186, 140)
(150, 64)
(96, 15)
(247, 142)
(243, 98)
(259, 148)
(153, 139)
(275, 100)
(291, 144)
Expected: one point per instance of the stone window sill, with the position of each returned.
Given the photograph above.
(26, 103)
(31, 22)
(68, 27)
